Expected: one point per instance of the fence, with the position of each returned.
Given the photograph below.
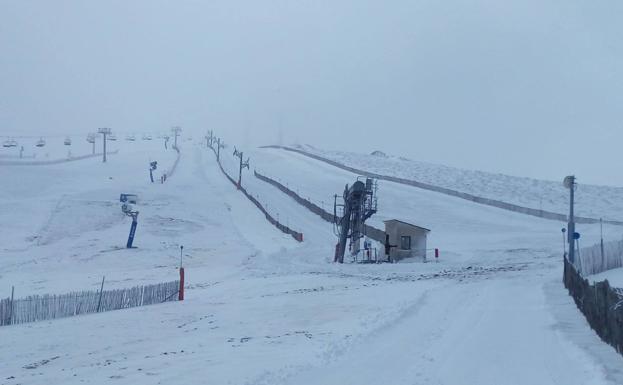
(55, 161)
(283, 228)
(458, 194)
(601, 304)
(45, 307)
(371, 232)
(590, 260)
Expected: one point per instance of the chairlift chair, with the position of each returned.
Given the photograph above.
(67, 141)
(9, 143)
(40, 142)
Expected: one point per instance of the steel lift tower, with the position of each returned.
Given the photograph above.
(104, 131)
(359, 204)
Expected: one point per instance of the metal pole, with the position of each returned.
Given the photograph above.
(181, 289)
(240, 173)
(571, 226)
(104, 161)
(564, 242)
(601, 231)
(99, 302)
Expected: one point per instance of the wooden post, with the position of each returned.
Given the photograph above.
(99, 302)
(11, 306)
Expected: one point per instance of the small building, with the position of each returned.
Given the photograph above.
(407, 240)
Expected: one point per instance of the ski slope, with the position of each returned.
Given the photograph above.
(262, 308)
(592, 201)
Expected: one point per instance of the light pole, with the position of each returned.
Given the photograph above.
(569, 182)
(104, 131)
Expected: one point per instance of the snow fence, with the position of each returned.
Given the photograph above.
(283, 228)
(601, 304)
(443, 190)
(371, 232)
(44, 307)
(591, 261)
(55, 161)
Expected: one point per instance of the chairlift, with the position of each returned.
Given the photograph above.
(40, 142)
(9, 143)
(147, 137)
(130, 138)
(111, 137)
(67, 141)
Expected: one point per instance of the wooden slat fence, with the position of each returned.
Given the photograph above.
(370, 231)
(44, 307)
(283, 228)
(590, 261)
(601, 304)
(443, 190)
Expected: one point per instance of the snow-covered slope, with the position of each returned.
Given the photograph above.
(262, 308)
(592, 201)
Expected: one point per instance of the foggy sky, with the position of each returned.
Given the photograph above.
(525, 87)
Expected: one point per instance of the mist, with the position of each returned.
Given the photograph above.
(529, 88)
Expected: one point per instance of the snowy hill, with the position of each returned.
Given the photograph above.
(592, 201)
(262, 308)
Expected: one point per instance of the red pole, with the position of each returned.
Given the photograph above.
(181, 292)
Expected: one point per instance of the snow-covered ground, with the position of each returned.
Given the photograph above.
(262, 308)
(592, 201)
(614, 277)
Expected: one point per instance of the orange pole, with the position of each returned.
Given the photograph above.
(181, 292)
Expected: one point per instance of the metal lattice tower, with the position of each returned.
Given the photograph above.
(359, 204)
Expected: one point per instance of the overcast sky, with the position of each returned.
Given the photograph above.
(525, 87)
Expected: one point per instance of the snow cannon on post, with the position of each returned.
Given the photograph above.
(359, 204)
(127, 201)
(152, 167)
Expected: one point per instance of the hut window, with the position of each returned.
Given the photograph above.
(405, 242)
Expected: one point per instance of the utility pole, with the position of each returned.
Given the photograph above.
(569, 182)
(176, 131)
(219, 145)
(209, 138)
(104, 131)
(243, 164)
